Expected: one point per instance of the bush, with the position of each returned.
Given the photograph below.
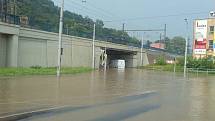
(36, 67)
(180, 61)
(204, 63)
(160, 60)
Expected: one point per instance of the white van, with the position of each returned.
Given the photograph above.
(118, 64)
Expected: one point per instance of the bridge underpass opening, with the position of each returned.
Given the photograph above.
(113, 54)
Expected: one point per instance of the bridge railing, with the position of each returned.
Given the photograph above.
(9, 18)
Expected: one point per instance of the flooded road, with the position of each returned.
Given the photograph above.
(128, 95)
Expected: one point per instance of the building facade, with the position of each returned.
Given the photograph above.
(204, 38)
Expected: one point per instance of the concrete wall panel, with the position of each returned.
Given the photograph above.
(81, 55)
(28, 47)
(52, 53)
(32, 52)
(2, 50)
(12, 50)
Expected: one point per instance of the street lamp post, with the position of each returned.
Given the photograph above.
(60, 49)
(186, 47)
(141, 58)
(94, 36)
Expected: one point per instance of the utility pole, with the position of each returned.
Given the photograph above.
(14, 11)
(2, 9)
(123, 27)
(141, 58)
(186, 45)
(60, 49)
(5, 5)
(105, 58)
(165, 29)
(67, 29)
(94, 37)
(14, 7)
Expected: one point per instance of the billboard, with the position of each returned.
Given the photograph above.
(214, 44)
(200, 43)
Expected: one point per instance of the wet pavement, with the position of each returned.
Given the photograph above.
(128, 95)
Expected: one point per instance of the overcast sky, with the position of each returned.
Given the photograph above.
(144, 14)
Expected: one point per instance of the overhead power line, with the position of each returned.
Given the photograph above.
(92, 9)
(153, 17)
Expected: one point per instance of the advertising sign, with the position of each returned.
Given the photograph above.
(214, 44)
(200, 51)
(200, 37)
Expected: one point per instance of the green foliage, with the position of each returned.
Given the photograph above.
(180, 61)
(161, 60)
(167, 67)
(176, 45)
(40, 71)
(148, 43)
(204, 63)
(44, 15)
(36, 67)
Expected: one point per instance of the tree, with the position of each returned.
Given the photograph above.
(148, 43)
(176, 45)
(44, 15)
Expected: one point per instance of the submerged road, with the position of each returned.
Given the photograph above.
(115, 95)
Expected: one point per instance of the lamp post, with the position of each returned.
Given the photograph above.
(186, 47)
(94, 36)
(60, 49)
(141, 58)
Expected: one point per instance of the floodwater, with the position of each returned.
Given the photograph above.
(115, 95)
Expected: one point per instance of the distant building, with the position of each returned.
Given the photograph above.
(157, 45)
(204, 38)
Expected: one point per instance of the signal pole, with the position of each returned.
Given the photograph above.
(60, 49)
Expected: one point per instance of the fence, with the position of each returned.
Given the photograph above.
(201, 70)
(9, 18)
(180, 69)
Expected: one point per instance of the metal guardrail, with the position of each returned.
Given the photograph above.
(189, 70)
(201, 70)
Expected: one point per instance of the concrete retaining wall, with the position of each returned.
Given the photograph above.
(2, 50)
(23, 47)
(42, 50)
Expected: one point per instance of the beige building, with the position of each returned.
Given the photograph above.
(204, 38)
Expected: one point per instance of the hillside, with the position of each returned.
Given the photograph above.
(44, 15)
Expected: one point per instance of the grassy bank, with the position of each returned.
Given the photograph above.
(163, 68)
(41, 71)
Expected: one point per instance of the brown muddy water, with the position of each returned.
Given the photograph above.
(115, 95)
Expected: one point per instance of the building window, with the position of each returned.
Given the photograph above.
(210, 44)
(211, 28)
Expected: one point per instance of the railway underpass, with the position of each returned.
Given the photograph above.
(130, 57)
